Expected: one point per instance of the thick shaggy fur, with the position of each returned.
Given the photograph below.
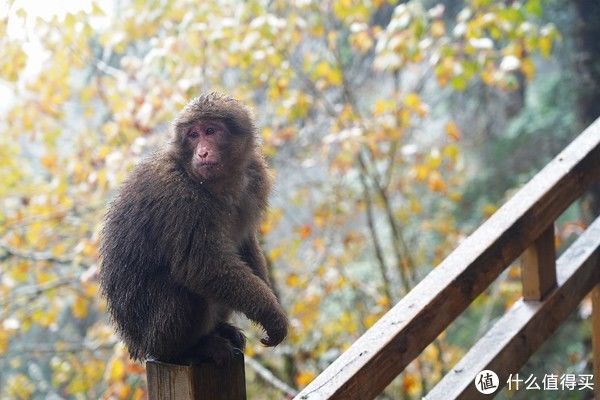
(179, 255)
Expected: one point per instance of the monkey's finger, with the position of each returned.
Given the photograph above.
(269, 342)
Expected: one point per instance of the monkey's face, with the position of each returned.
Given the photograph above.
(214, 151)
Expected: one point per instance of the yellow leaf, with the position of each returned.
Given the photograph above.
(455, 196)
(452, 130)
(436, 182)
(250, 351)
(96, 10)
(59, 249)
(438, 28)
(43, 277)
(489, 209)
(415, 206)
(276, 253)
(20, 272)
(90, 288)
(304, 231)
(94, 370)
(379, 107)
(421, 172)
(88, 249)
(412, 100)
(49, 161)
(46, 317)
(431, 354)
(79, 308)
(304, 378)
(383, 301)
(434, 159)
(331, 75)
(293, 280)
(18, 387)
(139, 394)
(545, 44)
(123, 391)
(77, 385)
(35, 235)
(451, 151)
(117, 370)
(21, 13)
(14, 60)
(4, 340)
(370, 320)
(362, 41)
(528, 68)
(410, 383)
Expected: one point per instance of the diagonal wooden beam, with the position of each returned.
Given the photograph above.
(510, 342)
(380, 354)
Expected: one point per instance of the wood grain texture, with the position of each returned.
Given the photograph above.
(510, 342)
(204, 381)
(538, 266)
(382, 352)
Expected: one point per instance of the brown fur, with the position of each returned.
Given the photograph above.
(180, 253)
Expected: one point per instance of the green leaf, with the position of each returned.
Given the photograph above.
(534, 7)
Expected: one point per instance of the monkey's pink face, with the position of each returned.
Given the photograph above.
(208, 141)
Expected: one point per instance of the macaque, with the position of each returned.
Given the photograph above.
(179, 249)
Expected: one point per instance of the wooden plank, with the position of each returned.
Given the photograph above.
(380, 354)
(596, 338)
(169, 381)
(538, 266)
(510, 342)
(204, 381)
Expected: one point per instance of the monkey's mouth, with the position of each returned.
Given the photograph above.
(206, 169)
(206, 164)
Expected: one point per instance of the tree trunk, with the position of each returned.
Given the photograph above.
(587, 65)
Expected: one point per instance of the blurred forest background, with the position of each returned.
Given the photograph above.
(394, 127)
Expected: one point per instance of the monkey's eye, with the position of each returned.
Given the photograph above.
(193, 134)
(210, 130)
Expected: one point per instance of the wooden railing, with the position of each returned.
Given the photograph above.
(523, 226)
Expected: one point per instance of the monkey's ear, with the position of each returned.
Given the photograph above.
(178, 131)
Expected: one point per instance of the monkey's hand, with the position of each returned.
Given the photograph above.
(276, 326)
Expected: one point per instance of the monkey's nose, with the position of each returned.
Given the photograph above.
(203, 154)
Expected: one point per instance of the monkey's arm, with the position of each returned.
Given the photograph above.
(217, 272)
(252, 254)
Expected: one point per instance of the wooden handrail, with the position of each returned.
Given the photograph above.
(382, 352)
(510, 342)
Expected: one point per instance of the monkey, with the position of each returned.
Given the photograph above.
(179, 251)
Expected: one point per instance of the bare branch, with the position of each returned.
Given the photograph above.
(267, 376)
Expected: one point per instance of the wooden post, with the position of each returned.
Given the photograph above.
(596, 338)
(538, 266)
(204, 381)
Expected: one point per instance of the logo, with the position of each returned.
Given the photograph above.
(487, 382)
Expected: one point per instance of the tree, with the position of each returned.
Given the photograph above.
(370, 168)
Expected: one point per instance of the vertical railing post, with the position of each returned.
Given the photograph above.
(596, 338)
(538, 266)
(203, 381)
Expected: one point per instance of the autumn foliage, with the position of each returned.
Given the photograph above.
(349, 96)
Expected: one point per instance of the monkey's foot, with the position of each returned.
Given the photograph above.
(233, 334)
(212, 348)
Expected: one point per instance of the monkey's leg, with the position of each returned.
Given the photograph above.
(231, 333)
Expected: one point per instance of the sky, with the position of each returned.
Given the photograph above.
(22, 30)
